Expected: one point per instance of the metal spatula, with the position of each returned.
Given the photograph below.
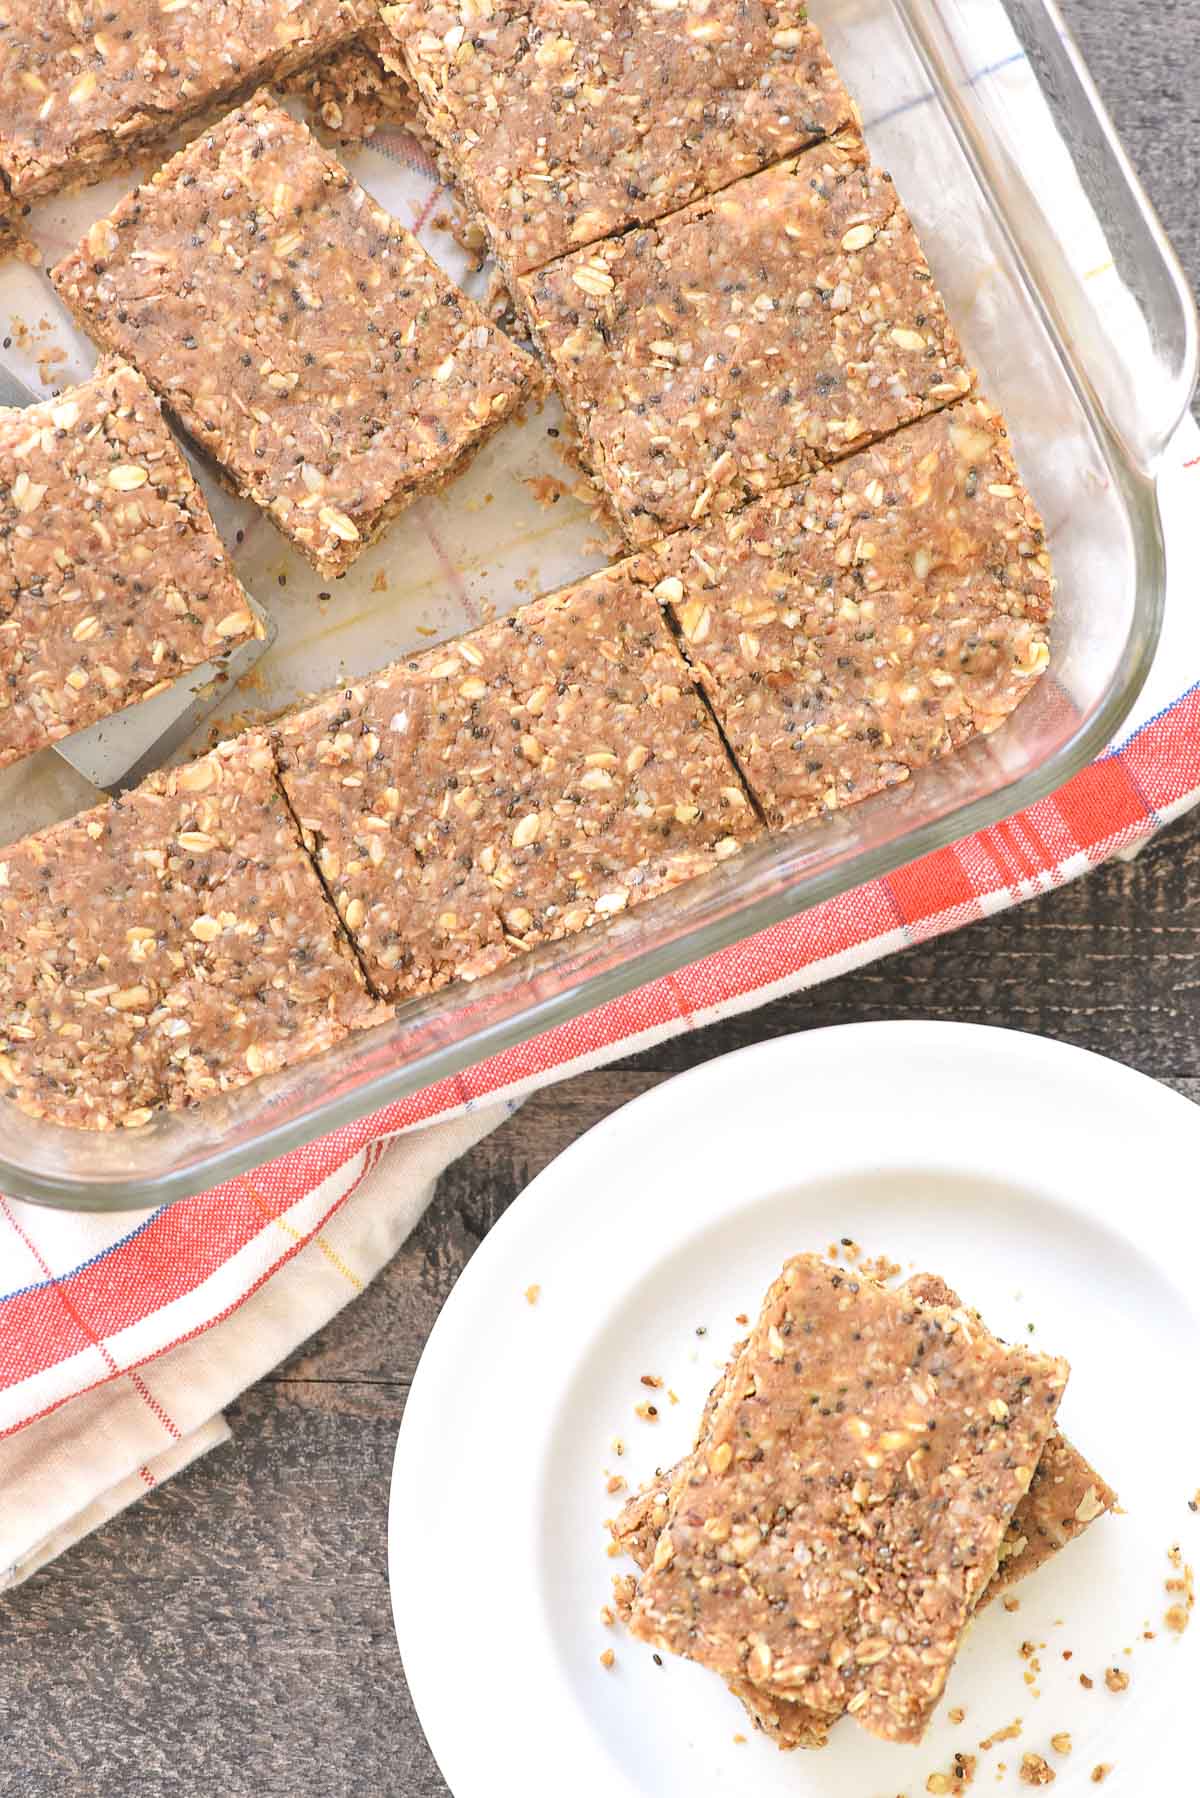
(121, 750)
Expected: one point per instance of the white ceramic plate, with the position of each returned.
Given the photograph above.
(1052, 1188)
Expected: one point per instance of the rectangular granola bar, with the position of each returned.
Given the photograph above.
(849, 630)
(113, 580)
(172, 944)
(300, 332)
(564, 121)
(736, 346)
(835, 1528)
(511, 788)
(83, 88)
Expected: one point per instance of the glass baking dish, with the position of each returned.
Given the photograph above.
(1072, 306)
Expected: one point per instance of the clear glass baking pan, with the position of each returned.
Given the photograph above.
(1078, 317)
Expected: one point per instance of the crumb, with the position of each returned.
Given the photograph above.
(702, 1329)
(1008, 1734)
(423, 630)
(614, 1483)
(1115, 1679)
(1101, 1772)
(880, 1268)
(673, 1396)
(1061, 1743)
(607, 1616)
(652, 1379)
(1035, 1771)
(546, 489)
(647, 1412)
(741, 1318)
(532, 1294)
(1068, 1653)
(1085, 1682)
(956, 1713)
(613, 1550)
(47, 362)
(831, 1252)
(1011, 1604)
(380, 583)
(608, 1658)
(624, 1592)
(1183, 1587)
(954, 1783)
(617, 1446)
(739, 1740)
(1149, 1635)
(465, 232)
(1027, 1650)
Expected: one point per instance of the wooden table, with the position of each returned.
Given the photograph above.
(232, 1634)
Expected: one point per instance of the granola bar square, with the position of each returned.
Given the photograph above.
(167, 946)
(564, 121)
(548, 771)
(84, 88)
(113, 580)
(831, 1534)
(740, 344)
(850, 629)
(299, 331)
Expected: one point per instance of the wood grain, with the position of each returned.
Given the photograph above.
(233, 1634)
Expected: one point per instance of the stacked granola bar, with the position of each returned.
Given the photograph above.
(871, 1468)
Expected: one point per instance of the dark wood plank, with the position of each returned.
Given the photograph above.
(233, 1634)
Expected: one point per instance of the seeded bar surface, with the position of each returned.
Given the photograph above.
(850, 629)
(173, 944)
(299, 331)
(826, 1541)
(541, 774)
(745, 341)
(566, 120)
(113, 580)
(83, 87)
